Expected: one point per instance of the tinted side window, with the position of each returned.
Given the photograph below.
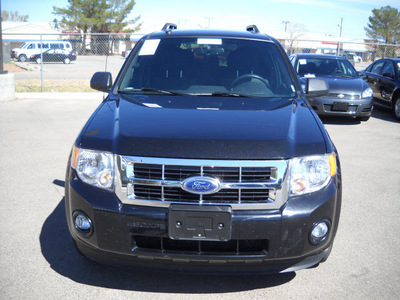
(377, 68)
(31, 46)
(388, 69)
(43, 46)
(55, 46)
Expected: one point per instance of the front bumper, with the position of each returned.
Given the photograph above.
(334, 106)
(261, 241)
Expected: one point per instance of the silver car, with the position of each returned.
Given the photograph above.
(349, 95)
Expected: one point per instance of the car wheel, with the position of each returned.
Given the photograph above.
(22, 58)
(38, 60)
(396, 107)
(67, 60)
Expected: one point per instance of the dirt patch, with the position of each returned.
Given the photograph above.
(12, 68)
(53, 85)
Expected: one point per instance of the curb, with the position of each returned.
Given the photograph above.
(61, 96)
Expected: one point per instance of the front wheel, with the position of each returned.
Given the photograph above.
(38, 61)
(22, 58)
(396, 108)
(67, 60)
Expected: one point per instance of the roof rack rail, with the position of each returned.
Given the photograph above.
(169, 26)
(252, 28)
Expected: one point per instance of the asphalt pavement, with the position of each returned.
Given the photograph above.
(38, 261)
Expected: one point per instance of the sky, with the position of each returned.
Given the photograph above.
(320, 17)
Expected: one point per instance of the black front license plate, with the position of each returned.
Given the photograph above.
(340, 106)
(205, 223)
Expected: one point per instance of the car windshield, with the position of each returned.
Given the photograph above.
(223, 67)
(325, 67)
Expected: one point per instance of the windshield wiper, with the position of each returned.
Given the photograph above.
(158, 91)
(228, 94)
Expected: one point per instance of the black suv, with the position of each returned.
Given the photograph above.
(205, 157)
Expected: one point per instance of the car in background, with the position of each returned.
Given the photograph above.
(352, 57)
(126, 53)
(54, 55)
(29, 49)
(383, 76)
(349, 95)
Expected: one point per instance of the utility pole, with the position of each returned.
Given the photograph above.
(2, 71)
(340, 36)
(285, 22)
(209, 21)
(183, 21)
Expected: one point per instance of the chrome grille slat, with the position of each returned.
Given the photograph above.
(157, 182)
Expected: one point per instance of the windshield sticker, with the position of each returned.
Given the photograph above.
(398, 65)
(209, 41)
(149, 47)
(293, 89)
(303, 61)
(309, 75)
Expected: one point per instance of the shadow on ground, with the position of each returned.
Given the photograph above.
(58, 250)
(378, 113)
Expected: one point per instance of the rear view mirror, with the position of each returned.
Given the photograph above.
(101, 81)
(316, 87)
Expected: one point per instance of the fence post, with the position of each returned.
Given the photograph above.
(41, 64)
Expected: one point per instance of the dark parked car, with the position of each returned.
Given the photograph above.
(54, 55)
(348, 96)
(205, 157)
(384, 78)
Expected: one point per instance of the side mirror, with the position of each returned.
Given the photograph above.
(101, 81)
(316, 87)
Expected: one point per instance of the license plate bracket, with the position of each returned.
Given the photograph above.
(204, 223)
(340, 106)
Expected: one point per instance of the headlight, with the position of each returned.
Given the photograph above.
(94, 167)
(367, 93)
(311, 173)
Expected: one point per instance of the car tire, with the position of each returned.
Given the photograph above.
(38, 60)
(67, 61)
(396, 107)
(22, 58)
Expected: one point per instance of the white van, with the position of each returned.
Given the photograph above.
(28, 49)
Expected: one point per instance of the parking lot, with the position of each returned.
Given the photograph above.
(38, 261)
(83, 68)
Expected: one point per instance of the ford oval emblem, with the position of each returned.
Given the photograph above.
(201, 185)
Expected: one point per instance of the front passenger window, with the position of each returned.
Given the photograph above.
(388, 70)
(377, 67)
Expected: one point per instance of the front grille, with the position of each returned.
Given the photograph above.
(351, 108)
(232, 247)
(343, 96)
(159, 182)
(181, 196)
(179, 173)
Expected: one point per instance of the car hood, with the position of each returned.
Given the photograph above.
(128, 128)
(343, 85)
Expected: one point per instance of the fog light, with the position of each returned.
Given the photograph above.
(319, 232)
(83, 223)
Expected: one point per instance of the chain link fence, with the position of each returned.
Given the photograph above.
(365, 51)
(66, 62)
